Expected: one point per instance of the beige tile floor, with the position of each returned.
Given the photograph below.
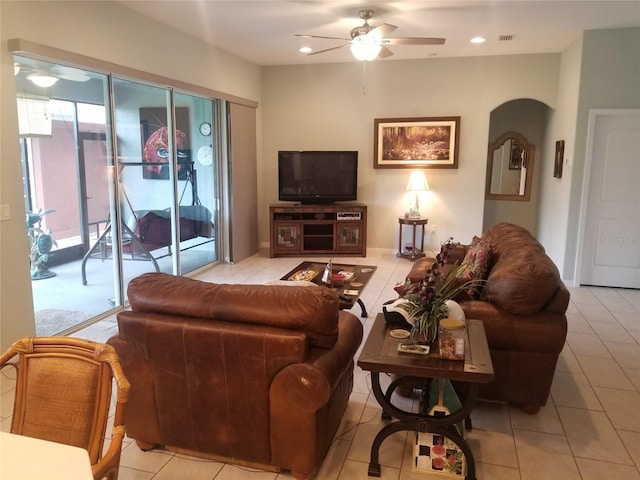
(589, 429)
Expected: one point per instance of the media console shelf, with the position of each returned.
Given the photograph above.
(339, 229)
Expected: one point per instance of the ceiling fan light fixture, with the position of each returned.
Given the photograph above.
(305, 49)
(364, 49)
(43, 80)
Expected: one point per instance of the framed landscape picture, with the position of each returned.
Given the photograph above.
(429, 142)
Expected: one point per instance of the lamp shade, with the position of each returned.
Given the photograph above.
(417, 182)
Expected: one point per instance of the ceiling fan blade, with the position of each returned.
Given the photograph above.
(69, 73)
(74, 77)
(319, 36)
(385, 52)
(381, 30)
(328, 49)
(413, 41)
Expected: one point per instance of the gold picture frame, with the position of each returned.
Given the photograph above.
(426, 142)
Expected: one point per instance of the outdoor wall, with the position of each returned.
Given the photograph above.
(109, 32)
(333, 107)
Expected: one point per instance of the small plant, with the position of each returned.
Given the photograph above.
(42, 243)
(426, 301)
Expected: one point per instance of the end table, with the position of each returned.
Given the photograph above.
(380, 355)
(414, 222)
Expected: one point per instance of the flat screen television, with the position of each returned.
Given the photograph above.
(317, 176)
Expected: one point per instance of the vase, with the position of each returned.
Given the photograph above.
(454, 310)
(424, 338)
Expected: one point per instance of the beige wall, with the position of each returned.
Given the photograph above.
(554, 192)
(109, 32)
(334, 106)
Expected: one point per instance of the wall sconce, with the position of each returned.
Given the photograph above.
(417, 183)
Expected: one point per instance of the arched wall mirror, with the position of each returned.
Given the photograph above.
(510, 168)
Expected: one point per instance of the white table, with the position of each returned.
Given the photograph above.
(26, 458)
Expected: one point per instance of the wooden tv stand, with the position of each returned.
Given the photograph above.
(336, 229)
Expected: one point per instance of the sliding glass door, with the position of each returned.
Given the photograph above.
(123, 179)
(166, 179)
(66, 158)
(198, 191)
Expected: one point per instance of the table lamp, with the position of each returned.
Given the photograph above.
(417, 183)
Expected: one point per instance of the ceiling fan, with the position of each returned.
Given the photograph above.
(368, 42)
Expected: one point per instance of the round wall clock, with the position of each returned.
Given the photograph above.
(205, 128)
(205, 155)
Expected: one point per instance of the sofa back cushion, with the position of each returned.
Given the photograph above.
(522, 278)
(313, 311)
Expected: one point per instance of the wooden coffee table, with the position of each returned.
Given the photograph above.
(349, 292)
(380, 355)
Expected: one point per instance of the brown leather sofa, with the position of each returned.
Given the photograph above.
(522, 306)
(256, 375)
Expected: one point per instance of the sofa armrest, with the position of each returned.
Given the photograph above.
(307, 400)
(542, 332)
(307, 386)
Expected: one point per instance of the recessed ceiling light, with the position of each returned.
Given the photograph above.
(478, 40)
(305, 50)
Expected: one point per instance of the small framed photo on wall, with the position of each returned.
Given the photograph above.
(559, 159)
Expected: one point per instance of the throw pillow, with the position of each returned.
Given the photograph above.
(476, 263)
(466, 267)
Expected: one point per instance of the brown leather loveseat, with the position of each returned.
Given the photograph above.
(256, 375)
(522, 305)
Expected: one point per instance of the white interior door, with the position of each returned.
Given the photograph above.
(611, 245)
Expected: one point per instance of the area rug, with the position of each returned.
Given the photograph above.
(52, 321)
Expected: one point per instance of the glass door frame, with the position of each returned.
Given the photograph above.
(111, 165)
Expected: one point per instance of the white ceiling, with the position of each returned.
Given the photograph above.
(262, 31)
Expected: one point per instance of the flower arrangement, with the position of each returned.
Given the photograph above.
(426, 301)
